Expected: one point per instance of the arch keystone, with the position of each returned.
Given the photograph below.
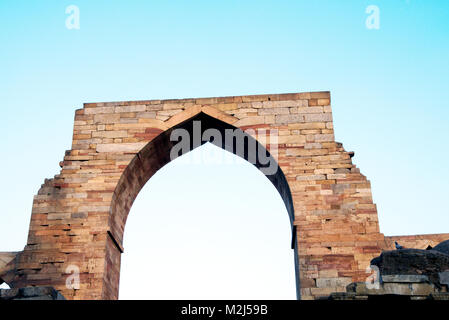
(188, 113)
(218, 114)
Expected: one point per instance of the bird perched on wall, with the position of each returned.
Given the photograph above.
(398, 246)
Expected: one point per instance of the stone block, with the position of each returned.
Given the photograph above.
(328, 273)
(106, 118)
(110, 134)
(322, 291)
(99, 110)
(422, 289)
(439, 296)
(293, 118)
(35, 291)
(151, 114)
(120, 147)
(9, 294)
(59, 216)
(155, 107)
(36, 298)
(298, 139)
(412, 278)
(318, 117)
(324, 137)
(249, 121)
(172, 106)
(444, 278)
(323, 102)
(269, 111)
(31, 293)
(346, 296)
(332, 282)
(132, 108)
(303, 110)
(284, 104)
(311, 177)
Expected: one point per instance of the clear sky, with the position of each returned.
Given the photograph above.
(389, 90)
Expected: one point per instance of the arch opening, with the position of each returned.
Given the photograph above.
(165, 148)
(4, 285)
(208, 225)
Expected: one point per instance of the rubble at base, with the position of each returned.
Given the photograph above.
(408, 274)
(410, 287)
(31, 293)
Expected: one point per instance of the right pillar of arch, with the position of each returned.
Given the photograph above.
(337, 229)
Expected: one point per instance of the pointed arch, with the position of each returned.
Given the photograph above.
(156, 154)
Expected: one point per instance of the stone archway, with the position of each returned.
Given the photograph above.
(156, 154)
(78, 216)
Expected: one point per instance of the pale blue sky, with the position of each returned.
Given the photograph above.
(389, 86)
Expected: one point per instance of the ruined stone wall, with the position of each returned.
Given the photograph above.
(415, 241)
(76, 220)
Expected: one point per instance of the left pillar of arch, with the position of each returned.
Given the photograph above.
(69, 235)
(67, 239)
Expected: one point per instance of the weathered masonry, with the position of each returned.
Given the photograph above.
(79, 216)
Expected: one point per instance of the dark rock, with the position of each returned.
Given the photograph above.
(352, 287)
(8, 294)
(45, 297)
(376, 261)
(442, 247)
(346, 296)
(444, 278)
(31, 293)
(412, 262)
(439, 296)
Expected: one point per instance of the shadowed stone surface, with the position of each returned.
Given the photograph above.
(439, 296)
(444, 278)
(411, 273)
(393, 288)
(31, 293)
(412, 262)
(442, 247)
(407, 287)
(405, 278)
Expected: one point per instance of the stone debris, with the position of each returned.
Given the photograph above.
(412, 262)
(31, 293)
(405, 286)
(414, 274)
